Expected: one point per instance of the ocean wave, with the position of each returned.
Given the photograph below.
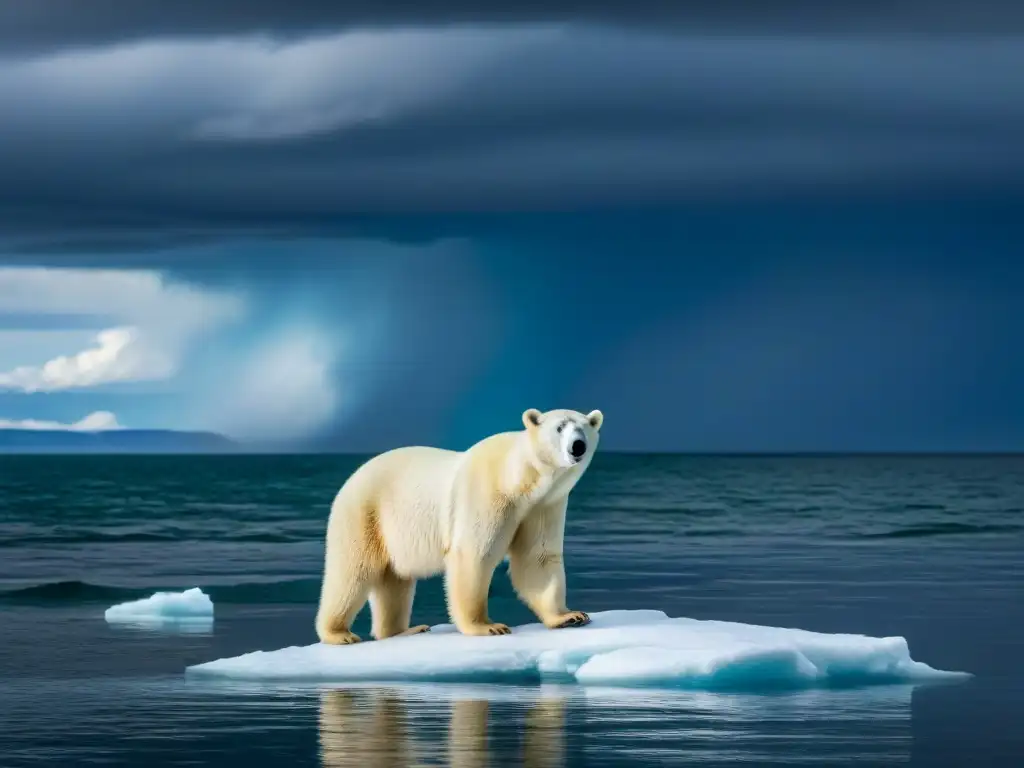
(94, 536)
(699, 533)
(57, 592)
(943, 529)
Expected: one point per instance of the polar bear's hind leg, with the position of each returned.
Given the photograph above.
(341, 599)
(391, 599)
(355, 559)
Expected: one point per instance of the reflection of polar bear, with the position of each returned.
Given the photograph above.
(415, 512)
(380, 725)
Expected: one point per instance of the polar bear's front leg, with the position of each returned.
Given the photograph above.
(537, 570)
(467, 582)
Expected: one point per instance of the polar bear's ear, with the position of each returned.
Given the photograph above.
(531, 418)
(596, 419)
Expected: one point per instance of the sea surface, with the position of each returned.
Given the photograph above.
(929, 548)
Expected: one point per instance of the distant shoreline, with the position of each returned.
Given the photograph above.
(120, 441)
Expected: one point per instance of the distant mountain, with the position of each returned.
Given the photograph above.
(113, 441)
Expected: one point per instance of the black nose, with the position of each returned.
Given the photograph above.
(578, 448)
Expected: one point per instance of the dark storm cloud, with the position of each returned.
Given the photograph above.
(169, 141)
(47, 24)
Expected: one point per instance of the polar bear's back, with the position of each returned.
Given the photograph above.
(403, 496)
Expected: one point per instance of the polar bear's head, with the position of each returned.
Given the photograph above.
(563, 438)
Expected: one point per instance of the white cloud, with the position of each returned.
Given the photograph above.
(153, 323)
(283, 391)
(280, 390)
(98, 421)
(119, 355)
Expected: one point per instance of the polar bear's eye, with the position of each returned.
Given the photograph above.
(560, 427)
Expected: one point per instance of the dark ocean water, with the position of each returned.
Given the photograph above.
(928, 548)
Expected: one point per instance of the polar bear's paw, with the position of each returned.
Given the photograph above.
(479, 630)
(418, 630)
(342, 637)
(570, 619)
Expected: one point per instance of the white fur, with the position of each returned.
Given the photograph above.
(415, 512)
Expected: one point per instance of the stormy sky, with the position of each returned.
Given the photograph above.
(734, 226)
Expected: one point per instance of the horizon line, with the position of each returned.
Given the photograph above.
(952, 453)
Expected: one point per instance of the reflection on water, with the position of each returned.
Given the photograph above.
(549, 727)
(165, 625)
(173, 721)
(381, 726)
(866, 726)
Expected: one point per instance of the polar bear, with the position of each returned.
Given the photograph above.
(415, 512)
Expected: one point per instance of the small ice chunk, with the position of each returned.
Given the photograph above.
(618, 648)
(192, 605)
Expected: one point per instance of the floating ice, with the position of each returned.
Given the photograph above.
(191, 606)
(618, 648)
